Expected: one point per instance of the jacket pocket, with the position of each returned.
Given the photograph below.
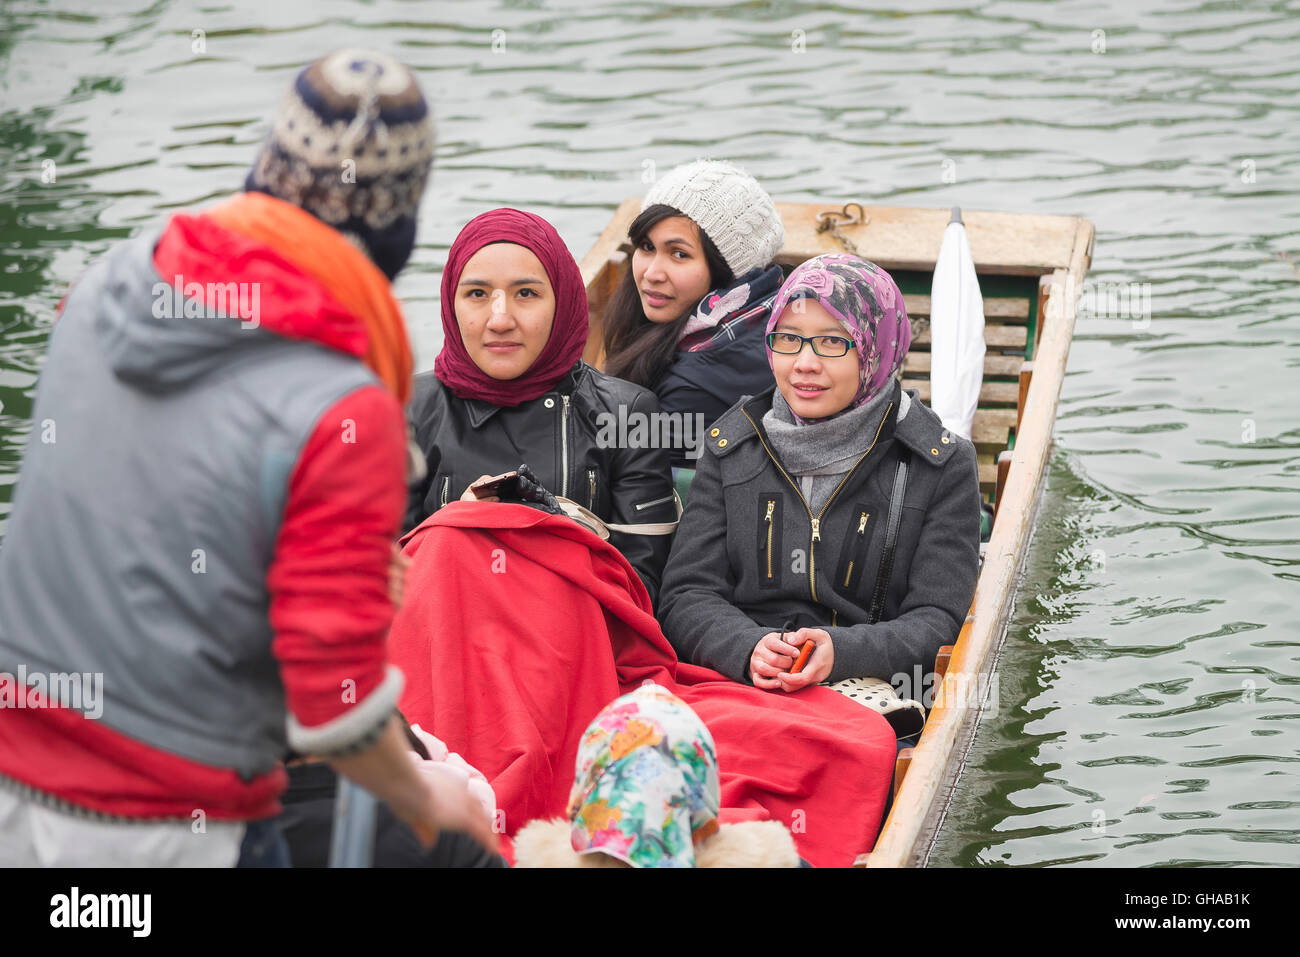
(770, 561)
(853, 552)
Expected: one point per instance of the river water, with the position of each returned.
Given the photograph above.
(1148, 706)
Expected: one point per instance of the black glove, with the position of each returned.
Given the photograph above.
(527, 490)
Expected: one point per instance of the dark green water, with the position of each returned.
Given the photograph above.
(1149, 693)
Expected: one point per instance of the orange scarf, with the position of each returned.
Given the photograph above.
(344, 270)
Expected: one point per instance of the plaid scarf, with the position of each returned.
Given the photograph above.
(724, 314)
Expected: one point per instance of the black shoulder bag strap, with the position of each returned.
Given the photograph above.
(891, 541)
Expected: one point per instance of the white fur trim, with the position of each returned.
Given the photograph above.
(746, 844)
(358, 721)
(546, 844)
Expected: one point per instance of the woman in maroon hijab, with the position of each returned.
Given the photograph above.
(509, 387)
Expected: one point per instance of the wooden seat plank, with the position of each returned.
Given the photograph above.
(1009, 309)
(992, 427)
(995, 337)
(994, 365)
(992, 392)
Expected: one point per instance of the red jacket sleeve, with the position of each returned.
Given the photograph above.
(328, 579)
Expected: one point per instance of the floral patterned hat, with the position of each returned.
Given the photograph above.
(646, 785)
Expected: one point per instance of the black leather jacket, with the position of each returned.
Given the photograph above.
(559, 435)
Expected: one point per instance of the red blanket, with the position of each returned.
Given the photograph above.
(505, 638)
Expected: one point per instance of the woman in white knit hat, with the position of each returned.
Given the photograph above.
(688, 319)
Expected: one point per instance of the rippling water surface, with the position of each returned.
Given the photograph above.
(1149, 690)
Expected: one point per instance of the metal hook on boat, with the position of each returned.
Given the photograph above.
(829, 220)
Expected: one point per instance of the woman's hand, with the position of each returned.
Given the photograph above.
(772, 659)
(819, 664)
(469, 496)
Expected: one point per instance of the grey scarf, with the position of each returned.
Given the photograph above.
(819, 454)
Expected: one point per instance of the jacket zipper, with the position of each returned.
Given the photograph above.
(446, 488)
(564, 448)
(771, 507)
(591, 489)
(816, 520)
(862, 527)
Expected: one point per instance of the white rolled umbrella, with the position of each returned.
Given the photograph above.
(956, 331)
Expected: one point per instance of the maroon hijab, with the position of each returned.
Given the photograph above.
(455, 368)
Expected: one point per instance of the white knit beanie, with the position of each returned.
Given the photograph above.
(729, 206)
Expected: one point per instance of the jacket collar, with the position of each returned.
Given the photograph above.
(920, 431)
(923, 433)
(479, 411)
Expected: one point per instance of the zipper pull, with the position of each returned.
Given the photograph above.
(817, 529)
(771, 507)
(862, 523)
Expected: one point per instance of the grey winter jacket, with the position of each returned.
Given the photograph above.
(143, 528)
(750, 555)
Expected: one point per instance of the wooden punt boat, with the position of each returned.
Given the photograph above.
(1031, 270)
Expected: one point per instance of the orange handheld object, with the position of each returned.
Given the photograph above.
(804, 653)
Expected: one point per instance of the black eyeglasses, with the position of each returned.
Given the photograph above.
(828, 347)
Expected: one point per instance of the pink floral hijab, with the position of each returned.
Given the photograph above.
(868, 304)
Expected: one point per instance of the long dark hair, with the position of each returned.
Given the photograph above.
(637, 349)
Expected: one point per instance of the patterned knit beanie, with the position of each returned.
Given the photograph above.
(729, 206)
(352, 144)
